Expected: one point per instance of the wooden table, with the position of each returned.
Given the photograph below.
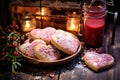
(74, 70)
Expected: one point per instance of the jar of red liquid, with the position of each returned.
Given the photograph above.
(94, 23)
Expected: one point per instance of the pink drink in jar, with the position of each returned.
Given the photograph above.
(94, 24)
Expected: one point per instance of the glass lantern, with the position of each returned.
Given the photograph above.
(28, 23)
(73, 23)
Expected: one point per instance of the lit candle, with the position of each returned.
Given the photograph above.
(27, 26)
(43, 11)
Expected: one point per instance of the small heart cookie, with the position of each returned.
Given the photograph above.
(27, 48)
(98, 62)
(44, 34)
(65, 41)
(46, 53)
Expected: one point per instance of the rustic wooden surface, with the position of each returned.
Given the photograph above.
(74, 70)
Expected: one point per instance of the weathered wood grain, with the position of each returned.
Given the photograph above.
(33, 72)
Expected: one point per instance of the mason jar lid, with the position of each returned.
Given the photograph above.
(95, 7)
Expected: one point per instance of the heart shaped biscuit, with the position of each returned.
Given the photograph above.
(98, 62)
(46, 52)
(65, 41)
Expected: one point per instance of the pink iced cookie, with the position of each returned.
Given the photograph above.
(28, 48)
(35, 33)
(48, 32)
(46, 53)
(98, 62)
(65, 41)
(37, 41)
(44, 34)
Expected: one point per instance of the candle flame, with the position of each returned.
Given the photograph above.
(27, 24)
(72, 24)
(42, 11)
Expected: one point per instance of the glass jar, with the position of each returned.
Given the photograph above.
(28, 23)
(72, 24)
(94, 23)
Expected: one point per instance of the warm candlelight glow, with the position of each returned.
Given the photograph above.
(44, 12)
(72, 24)
(28, 24)
(43, 15)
